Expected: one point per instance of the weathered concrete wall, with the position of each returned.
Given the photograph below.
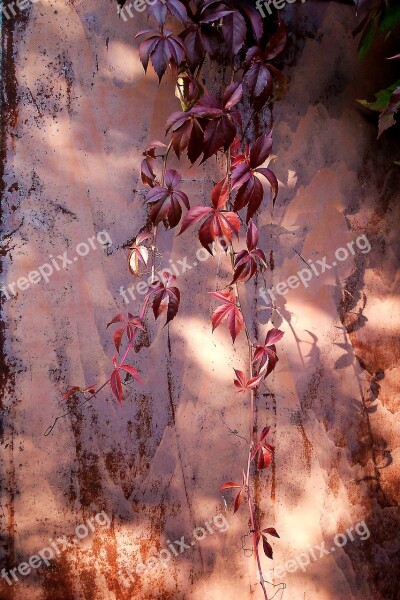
(82, 110)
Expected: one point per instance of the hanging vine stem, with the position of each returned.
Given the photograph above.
(205, 126)
(103, 385)
(252, 397)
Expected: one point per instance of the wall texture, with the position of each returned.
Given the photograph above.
(77, 110)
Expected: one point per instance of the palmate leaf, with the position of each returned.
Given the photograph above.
(165, 200)
(219, 225)
(131, 323)
(139, 254)
(234, 485)
(244, 176)
(160, 9)
(166, 297)
(253, 17)
(187, 133)
(224, 119)
(234, 31)
(116, 381)
(261, 535)
(263, 451)
(227, 312)
(244, 384)
(265, 357)
(245, 263)
(162, 48)
(207, 127)
(202, 37)
(261, 79)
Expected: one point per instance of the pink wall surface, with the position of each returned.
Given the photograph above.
(79, 112)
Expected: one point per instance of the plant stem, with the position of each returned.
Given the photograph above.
(252, 408)
(103, 385)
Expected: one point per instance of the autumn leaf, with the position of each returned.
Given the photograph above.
(244, 384)
(165, 200)
(131, 323)
(116, 381)
(229, 312)
(245, 262)
(263, 451)
(162, 48)
(166, 297)
(244, 178)
(139, 254)
(218, 224)
(265, 356)
(240, 496)
(146, 168)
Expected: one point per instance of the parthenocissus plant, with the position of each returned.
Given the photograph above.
(207, 35)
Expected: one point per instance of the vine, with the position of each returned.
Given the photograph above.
(231, 35)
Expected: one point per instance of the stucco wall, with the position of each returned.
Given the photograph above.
(82, 110)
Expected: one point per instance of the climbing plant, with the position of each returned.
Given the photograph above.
(189, 40)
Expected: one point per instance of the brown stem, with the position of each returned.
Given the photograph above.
(252, 409)
(103, 385)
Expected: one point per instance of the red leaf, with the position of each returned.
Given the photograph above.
(118, 338)
(118, 319)
(234, 31)
(253, 382)
(166, 297)
(228, 312)
(141, 237)
(270, 531)
(259, 82)
(255, 19)
(71, 392)
(270, 175)
(240, 382)
(244, 385)
(238, 501)
(267, 549)
(264, 433)
(264, 458)
(266, 356)
(220, 193)
(194, 215)
(251, 236)
(132, 371)
(116, 385)
(229, 485)
(277, 42)
(146, 171)
(260, 150)
(232, 95)
(218, 225)
(135, 322)
(273, 336)
(219, 133)
(166, 200)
